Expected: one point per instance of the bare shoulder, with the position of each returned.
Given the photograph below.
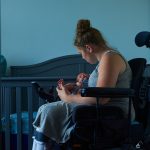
(111, 65)
(113, 60)
(112, 56)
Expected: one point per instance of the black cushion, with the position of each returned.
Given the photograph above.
(137, 66)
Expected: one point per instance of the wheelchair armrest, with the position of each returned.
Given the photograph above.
(107, 92)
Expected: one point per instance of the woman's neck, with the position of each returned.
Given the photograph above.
(100, 51)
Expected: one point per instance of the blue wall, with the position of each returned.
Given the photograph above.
(37, 30)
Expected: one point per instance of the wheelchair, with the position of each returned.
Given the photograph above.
(104, 127)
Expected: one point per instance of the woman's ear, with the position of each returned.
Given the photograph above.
(89, 48)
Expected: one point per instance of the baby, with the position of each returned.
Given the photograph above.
(74, 87)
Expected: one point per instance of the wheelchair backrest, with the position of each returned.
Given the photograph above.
(138, 66)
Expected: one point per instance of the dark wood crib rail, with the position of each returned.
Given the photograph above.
(11, 93)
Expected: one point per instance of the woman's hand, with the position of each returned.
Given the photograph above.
(70, 86)
(63, 92)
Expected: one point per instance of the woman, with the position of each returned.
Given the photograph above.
(54, 119)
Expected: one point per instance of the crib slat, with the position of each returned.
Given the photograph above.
(2, 101)
(30, 111)
(18, 111)
(7, 117)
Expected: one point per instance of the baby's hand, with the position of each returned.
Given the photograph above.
(85, 76)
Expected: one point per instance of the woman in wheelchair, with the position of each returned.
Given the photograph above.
(54, 120)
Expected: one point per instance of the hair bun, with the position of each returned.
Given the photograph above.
(83, 26)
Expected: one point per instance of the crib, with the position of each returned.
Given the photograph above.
(19, 102)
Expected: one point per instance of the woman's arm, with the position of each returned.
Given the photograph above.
(111, 66)
(66, 96)
(109, 69)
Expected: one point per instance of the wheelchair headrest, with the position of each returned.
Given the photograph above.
(142, 38)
